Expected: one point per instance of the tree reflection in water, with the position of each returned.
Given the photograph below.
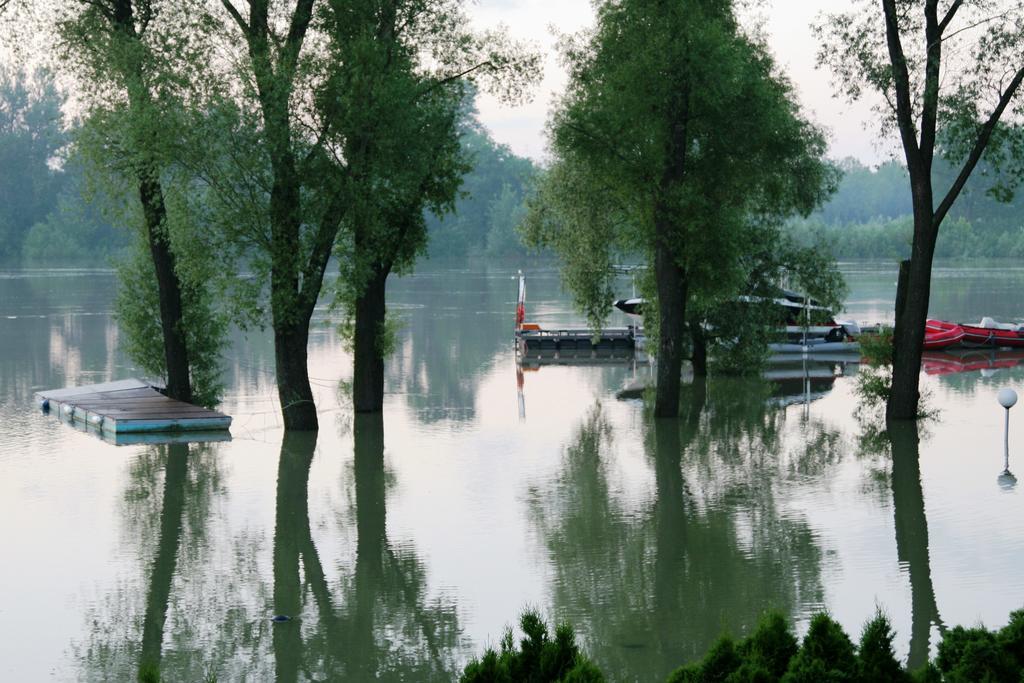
(167, 522)
(158, 595)
(374, 623)
(711, 551)
(370, 618)
(912, 537)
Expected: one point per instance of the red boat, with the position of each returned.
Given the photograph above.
(938, 334)
(991, 334)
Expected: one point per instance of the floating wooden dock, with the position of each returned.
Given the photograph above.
(130, 407)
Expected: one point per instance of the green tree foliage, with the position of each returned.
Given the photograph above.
(335, 139)
(538, 659)
(826, 655)
(864, 194)
(678, 131)
(771, 654)
(48, 212)
(80, 225)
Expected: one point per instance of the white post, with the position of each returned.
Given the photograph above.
(1007, 399)
(1006, 442)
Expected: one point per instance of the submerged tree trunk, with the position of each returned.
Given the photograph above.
(699, 357)
(368, 371)
(912, 298)
(294, 282)
(671, 284)
(172, 322)
(290, 354)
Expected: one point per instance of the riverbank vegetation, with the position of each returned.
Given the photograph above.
(773, 653)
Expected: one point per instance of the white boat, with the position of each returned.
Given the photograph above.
(835, 336)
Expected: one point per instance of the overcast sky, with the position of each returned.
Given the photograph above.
(852, 130)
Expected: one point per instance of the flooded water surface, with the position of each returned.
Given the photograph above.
(401, 545)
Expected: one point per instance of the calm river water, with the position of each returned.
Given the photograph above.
(404, 545)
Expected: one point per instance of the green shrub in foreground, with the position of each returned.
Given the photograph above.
(772, 654)
(539, 658)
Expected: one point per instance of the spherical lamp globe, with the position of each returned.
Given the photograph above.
(1007, 398)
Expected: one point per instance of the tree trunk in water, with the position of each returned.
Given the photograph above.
(169, 287)
(368, 371)
(700, 349)
(670, 526)
(165, 560)
(912, 538)
(371, 542)
(911, 314)
(291, 535)
(671, 285)
(293, 390)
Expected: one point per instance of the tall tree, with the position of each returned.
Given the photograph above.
(949, 79)
(392, 107)
(676, 134)
(290, 235)
(126, 53)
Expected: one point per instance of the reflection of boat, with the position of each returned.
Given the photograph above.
(988, 333)
(969, 360)
(792, 382)
(530, 358)
(803, 382)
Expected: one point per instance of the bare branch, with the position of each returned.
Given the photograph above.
(236, 16)
(980, 22)
(950, 13)
(454, 77)
(901, 81)
(301, 16)
(979, 148)
(930, 97)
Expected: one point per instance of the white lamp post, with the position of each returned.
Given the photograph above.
(1007, 399)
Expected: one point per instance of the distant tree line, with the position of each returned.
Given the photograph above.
(43, 214)
(870, 216)
(50, 211)
(492, 201)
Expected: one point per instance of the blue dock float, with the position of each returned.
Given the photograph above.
(130, 407)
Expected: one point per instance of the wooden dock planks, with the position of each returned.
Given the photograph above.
(130, 407)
